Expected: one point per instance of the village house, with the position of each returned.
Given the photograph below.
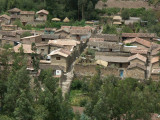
(132, 20)
(108, 37)
(63, 33)
(68, 44)
(5, 19)
(138, 42)
(47, 37)
(9, 37)
(9, 27)
(32, 39)
(155, 62)
(80, 33)
(137, 71)
(27, 17)
(66, 28)
(137, 58)
(114, 61)
(14, 14)
(146, 36)
(42, 15)
(56, 69)
(61, 57)
(100, 45)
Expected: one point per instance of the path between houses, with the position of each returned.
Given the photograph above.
(67, 83)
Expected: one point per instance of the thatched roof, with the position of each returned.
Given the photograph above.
(56, 19)
(66, 20)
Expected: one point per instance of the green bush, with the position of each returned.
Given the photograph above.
(76, 84)
(109, 29)
(25, 34)
(91, 52)
(83, 102)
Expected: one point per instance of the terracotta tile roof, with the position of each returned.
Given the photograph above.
(27, 12)
(138, 56)
(114, 59)
(137, 65)
(155, 59)
(14, 10)
(26, 48)
(145, 35)
(64, 42)
(107, 37)
(61, 52)
(139, 51)
(43, 11)
(5, 16)
(96, 39)
(155, 51)
(139, 40)
(61, 30)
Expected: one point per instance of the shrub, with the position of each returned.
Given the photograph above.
(25, 34)
(83, 102)
(76, 84)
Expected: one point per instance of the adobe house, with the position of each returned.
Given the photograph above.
(138, 42)
(9, 27)
(137, 71)
(100, 45)
(137, 58)
(9, 37)
(155, 52)
(57, 70)
(114, 61)
(147, 36)
(14, 14)
(65, 43)
(45, 49)
(155, 62)
(32, 39)
(27, 16)
(42, 15)
(61, 57)
(63, 33)
(155, 74)
(5, 19)
(47, 37)
(108, 37)
(80, 33)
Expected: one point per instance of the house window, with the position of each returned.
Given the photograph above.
(42, 50)
(110, 50)
(94, 46)
(58, 58)
(43, 39)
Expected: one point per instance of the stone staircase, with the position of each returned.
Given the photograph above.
(67, 83)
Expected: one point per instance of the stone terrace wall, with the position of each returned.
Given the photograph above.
(90, 70)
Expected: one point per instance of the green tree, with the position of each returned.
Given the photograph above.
(125, 14)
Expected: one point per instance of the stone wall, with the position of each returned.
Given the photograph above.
(155, 77)
(136, 73)
(90, 70)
